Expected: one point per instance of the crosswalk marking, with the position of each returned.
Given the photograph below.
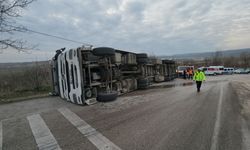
(101, 142)
(1, 135)
(44, 138)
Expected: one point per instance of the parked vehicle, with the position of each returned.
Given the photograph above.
(86, 74)
(213, 70)
(219, 69)
(210, 71)
(229, 71)
(248, 70)
(241, 71)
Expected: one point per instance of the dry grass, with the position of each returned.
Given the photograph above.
(22, 82)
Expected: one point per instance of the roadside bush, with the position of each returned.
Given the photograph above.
(25, 81)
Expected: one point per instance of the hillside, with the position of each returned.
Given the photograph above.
(225, 53)
(22, 65)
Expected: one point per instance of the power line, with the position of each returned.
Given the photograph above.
(46, 34)
(58, 37)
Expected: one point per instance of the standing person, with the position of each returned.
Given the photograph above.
(199, 76)
(188, 74)
(191, 74)
(184, 74)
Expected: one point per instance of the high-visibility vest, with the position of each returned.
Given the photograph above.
(199, 76)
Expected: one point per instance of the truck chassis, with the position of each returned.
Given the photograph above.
(85, 75)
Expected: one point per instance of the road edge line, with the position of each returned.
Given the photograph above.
(1, 135)
(245, 135)
(216, 131)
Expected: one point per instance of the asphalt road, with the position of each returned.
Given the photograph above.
(172, 118)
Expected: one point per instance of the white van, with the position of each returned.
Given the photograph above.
(210, 71)
(229, 71)
(213, 70)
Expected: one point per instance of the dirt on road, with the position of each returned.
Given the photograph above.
(242, 88)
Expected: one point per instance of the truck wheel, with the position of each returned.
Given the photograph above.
(103, 51)
(106, 97)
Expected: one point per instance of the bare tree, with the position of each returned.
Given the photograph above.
(207, 62)
(230, 61)
(9, 11)
(244, 59)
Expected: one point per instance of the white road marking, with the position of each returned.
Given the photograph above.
(217, 122)
(101, 142)
(1, 135)
(44, 138)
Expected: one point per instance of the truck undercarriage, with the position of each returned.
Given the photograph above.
(85, 75)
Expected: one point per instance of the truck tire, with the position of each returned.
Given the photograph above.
(142, 55)
(103, 51)
(106, 97)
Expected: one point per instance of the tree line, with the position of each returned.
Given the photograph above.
(241, 61)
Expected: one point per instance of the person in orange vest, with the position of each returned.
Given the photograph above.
(190, 74)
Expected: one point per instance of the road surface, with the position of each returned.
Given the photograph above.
(171, 118)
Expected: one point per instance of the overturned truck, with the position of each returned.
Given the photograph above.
(86, 74)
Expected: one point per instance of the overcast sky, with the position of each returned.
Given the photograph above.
(159, 27)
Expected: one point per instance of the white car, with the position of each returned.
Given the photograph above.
(248, 70)
(241, 71)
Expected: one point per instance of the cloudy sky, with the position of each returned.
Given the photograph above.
(159, 27)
